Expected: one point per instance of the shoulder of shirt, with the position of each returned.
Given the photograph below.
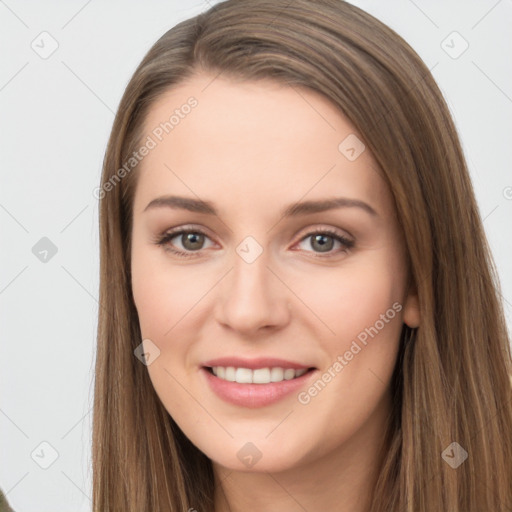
(4, 505)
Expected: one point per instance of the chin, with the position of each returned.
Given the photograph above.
(254, 457)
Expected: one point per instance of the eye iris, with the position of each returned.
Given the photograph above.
(324, 246)
(192, 241)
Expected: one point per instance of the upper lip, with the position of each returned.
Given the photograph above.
(254, 364)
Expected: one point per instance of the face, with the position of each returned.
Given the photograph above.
(295, 304)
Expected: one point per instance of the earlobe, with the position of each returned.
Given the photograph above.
(412, 311)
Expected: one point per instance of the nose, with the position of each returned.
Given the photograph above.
(252, 297)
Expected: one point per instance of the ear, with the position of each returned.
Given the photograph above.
(411, 315)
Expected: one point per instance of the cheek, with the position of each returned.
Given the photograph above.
(151, 304)
(162, 293)
(347, 300)
(363, 309)
(170, 301)
(360, 308)
(161, 301)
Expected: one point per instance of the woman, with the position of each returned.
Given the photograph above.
(299, 308)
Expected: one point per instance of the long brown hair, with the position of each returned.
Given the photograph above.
(452, 378)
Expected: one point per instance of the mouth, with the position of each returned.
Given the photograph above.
(255, 383)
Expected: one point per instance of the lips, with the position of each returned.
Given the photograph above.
(255, 382)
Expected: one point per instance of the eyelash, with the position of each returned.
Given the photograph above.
(164, 239)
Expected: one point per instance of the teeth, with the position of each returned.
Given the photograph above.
(259, 376)
(243, 376)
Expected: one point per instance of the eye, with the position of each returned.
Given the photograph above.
(191, 240)
(323, 241)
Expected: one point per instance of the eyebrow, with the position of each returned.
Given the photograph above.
(293, 210)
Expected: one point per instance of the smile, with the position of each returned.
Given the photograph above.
(257, 376)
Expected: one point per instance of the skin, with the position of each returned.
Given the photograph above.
(253, 148)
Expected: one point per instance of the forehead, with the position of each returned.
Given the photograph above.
(253, 141)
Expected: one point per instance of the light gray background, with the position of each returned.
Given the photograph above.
(56, 114)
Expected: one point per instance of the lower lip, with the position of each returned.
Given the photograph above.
(254, 395)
